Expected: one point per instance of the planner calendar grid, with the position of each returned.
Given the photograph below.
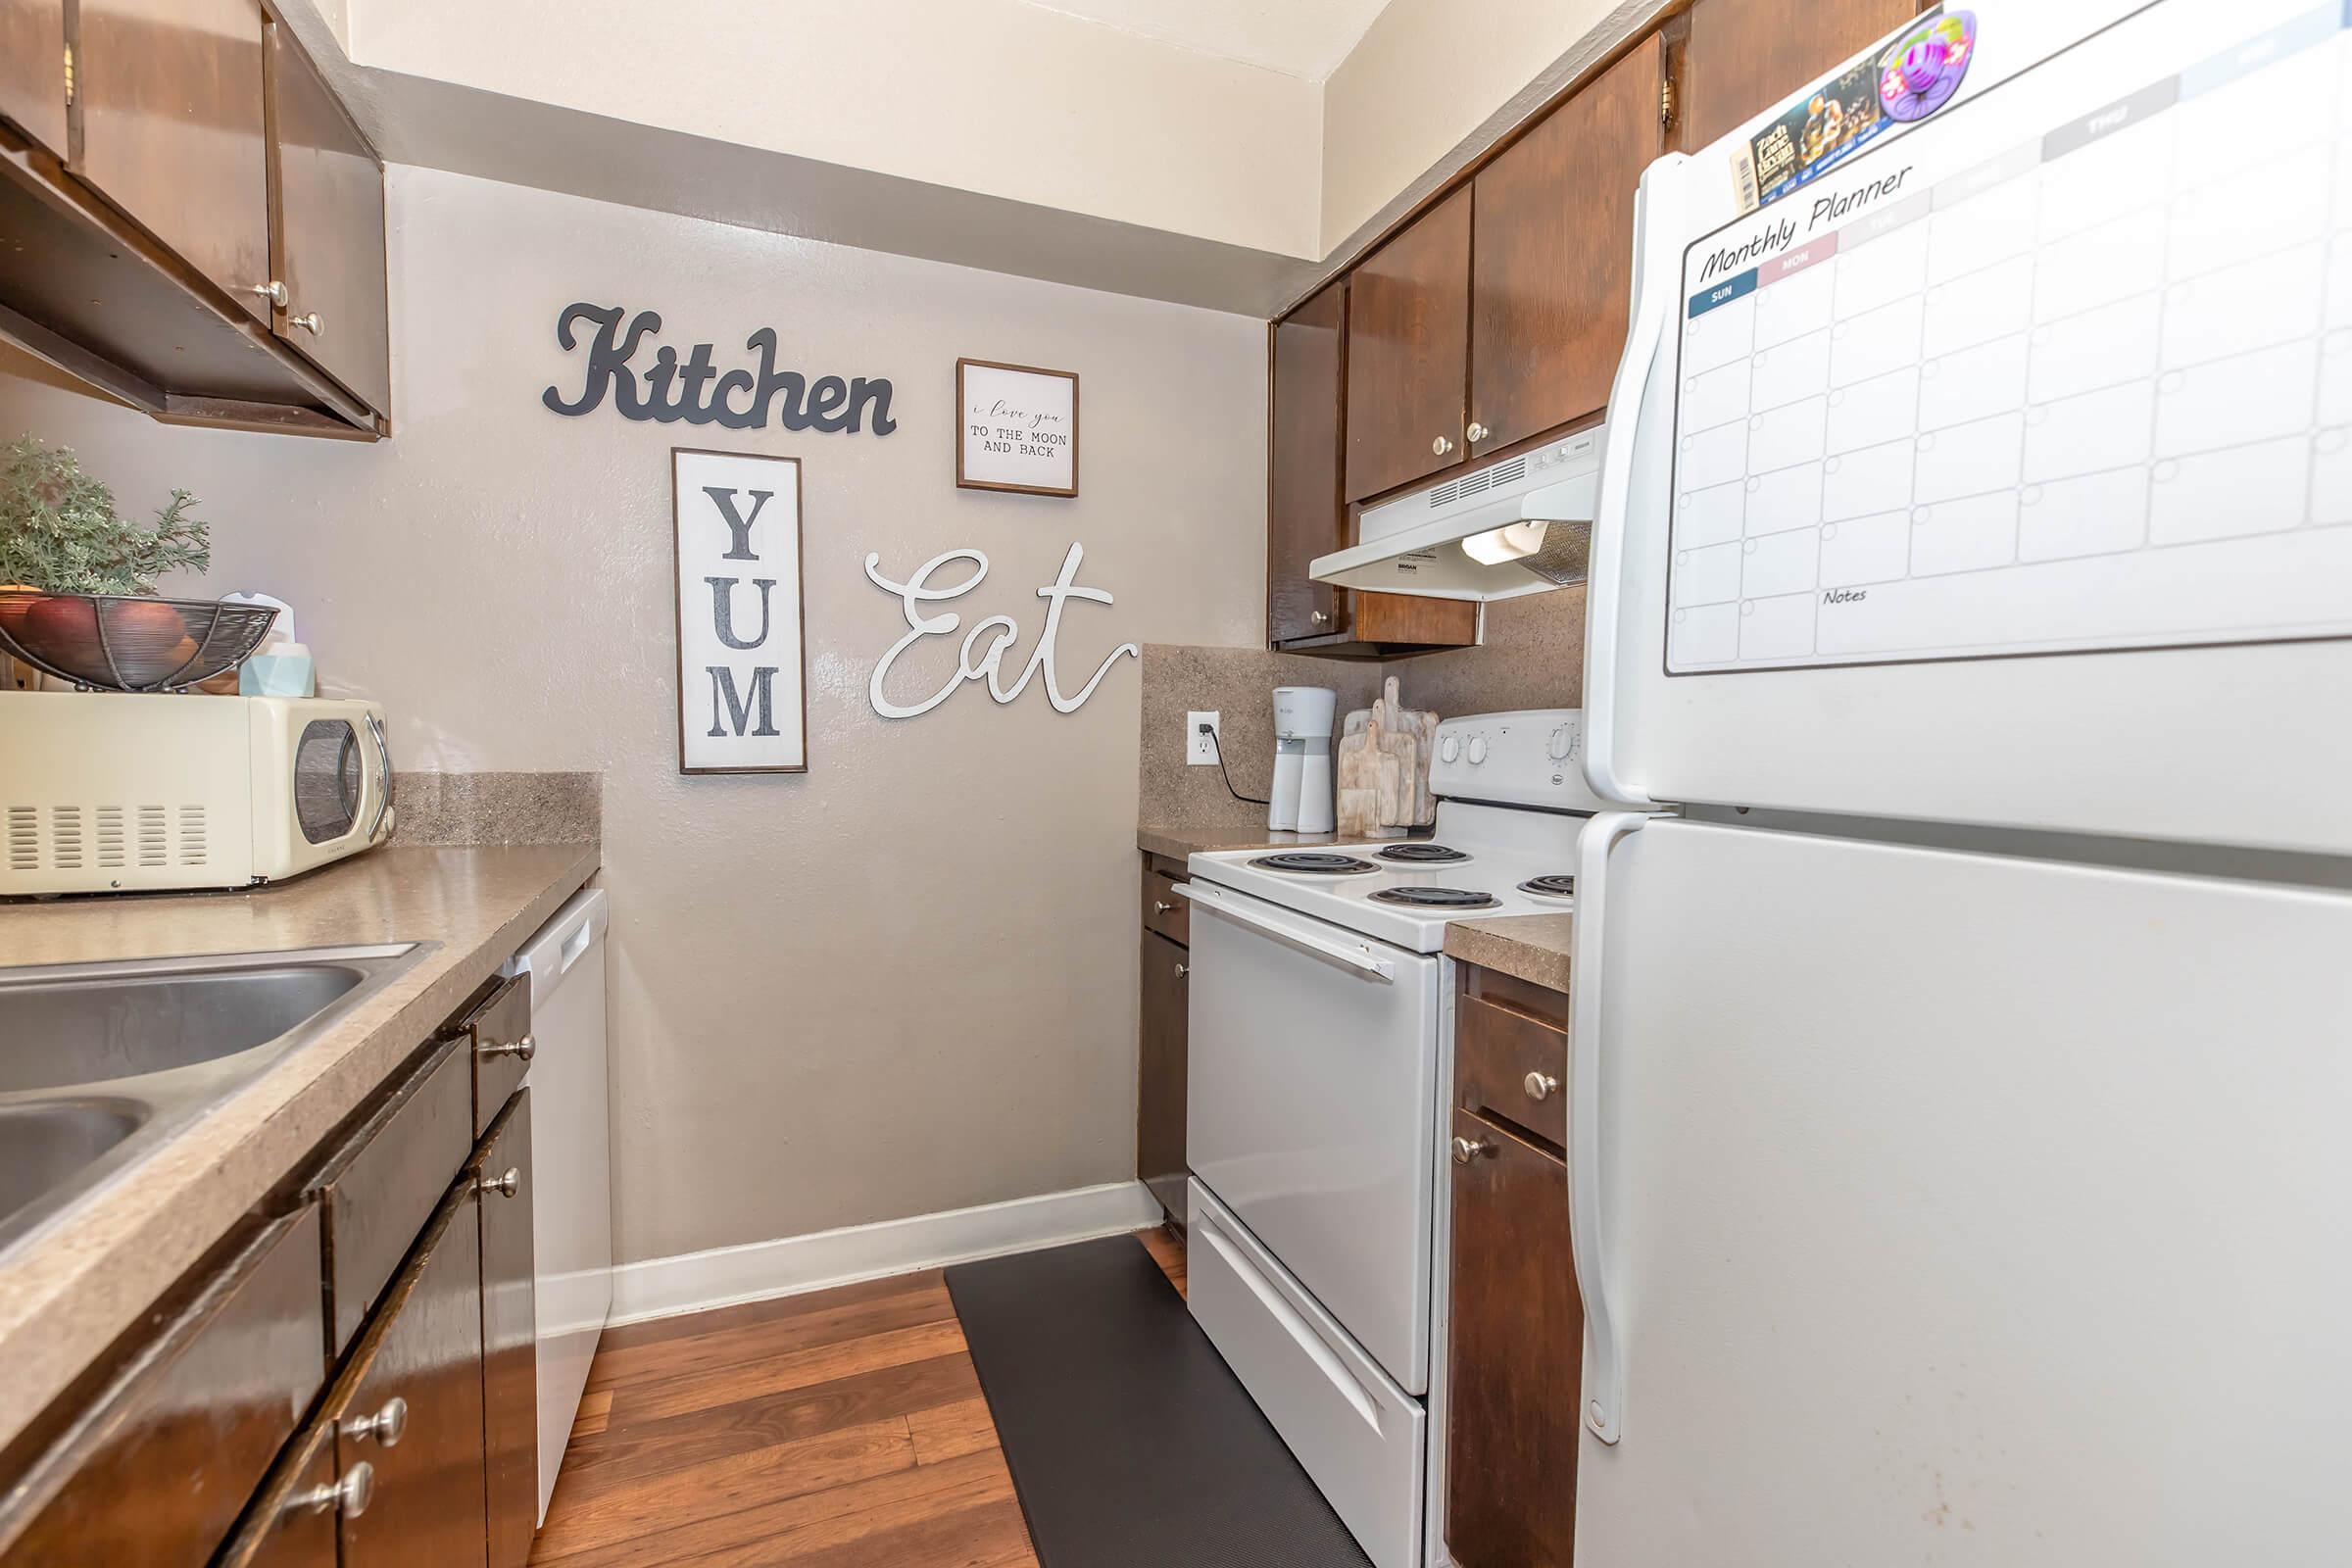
(1918, 434)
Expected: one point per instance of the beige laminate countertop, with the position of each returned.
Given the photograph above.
(1177, 839)
(1534, 947)
(68, 1291)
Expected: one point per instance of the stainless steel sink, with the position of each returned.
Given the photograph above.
(100, 1063)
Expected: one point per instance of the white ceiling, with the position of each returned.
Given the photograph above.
(1303, 39)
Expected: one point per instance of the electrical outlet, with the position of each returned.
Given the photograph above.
(1201, 751)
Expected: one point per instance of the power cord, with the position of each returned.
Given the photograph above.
(1248, 799)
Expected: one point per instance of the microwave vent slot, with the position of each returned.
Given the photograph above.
(191, 835)
(24, 838)
(154, 836)
(65, 837)
(110, 836)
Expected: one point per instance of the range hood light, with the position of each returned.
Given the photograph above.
(1513, 541)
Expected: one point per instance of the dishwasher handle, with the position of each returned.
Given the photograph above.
(1359, 957)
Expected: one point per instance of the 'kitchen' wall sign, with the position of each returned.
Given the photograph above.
(695, 390)
(985, 664)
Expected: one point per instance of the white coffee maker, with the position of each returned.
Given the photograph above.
(1301, 794)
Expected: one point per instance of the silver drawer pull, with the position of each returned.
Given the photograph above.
(349, 1497)
(1162, 907)
(309, 324)
(506, 1185)
(1466, 1149)
(1540, 1085)
(387, 1426)
(1182, 970)
(525, 1048)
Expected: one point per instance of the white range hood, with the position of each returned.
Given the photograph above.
(1518, 527)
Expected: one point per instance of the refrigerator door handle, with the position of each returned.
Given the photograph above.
(1604, 1366)
(1652, 301)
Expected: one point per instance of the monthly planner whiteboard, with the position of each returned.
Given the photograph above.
(2066, 367)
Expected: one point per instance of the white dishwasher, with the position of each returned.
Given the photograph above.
(571, 1162)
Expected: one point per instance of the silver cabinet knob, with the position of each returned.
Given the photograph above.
(1540, 1085)
(273, 291)
(1476, 433)
(387, 1426)
(309, 324)
(1182, 970)
(526, 1047)
(1440, 446)
(349, 1497)
(1466, 1149)
(1161, 905)
(506, 1185)
(1319, 618)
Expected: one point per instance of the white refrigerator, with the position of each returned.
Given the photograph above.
(1961, 1154)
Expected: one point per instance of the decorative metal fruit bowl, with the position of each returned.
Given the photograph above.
(120, 643)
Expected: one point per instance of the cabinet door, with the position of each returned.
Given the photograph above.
(410, 1406)
(1551, 288)
(1512, 1390)
(1305, 516)
(330, 231)
(170, 100)
(510, 1335)
(1161, 1073)
(32, 70)
(1746, 55)
(292, 1521)
(1409, 346)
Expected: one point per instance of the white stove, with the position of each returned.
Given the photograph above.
(1322, 1015)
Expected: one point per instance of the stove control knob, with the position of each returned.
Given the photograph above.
(1560, 746)
(1478, 750)
(1449, 748)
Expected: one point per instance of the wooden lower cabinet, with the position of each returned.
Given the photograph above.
(1160, 1072)
(1513, 1374)
(293, 1522)
(409, 1407)
(500, 1173)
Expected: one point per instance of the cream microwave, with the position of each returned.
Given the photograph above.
(109, 792)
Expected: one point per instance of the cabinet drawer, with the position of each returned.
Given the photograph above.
(1501, 1059)
(380, 1187)
(498, 1036)
(1163, 911)
(161, 1463)
(502, 1175)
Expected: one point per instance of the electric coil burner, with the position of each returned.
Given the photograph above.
(1423, 855)
(1550, 887)
(1423, 897)
(1307, 862)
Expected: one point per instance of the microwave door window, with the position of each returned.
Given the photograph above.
(326, 780)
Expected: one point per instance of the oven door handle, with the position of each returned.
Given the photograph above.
(1359, 958)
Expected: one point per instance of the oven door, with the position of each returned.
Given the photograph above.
(1312, 1105)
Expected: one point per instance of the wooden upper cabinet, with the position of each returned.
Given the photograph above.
(1552, 255)
(32, 70)
(170, 98)
(1746, 55)
(1305, 516)
(1408, 349)
(330, 231)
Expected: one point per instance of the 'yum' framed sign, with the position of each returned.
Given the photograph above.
(743, 702)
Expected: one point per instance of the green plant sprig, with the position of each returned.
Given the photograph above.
(59, 530)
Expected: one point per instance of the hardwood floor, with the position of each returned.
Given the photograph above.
(843, 1427)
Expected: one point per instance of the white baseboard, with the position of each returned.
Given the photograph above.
(692, 1281)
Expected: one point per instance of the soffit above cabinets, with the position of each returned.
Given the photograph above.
(1302, 38)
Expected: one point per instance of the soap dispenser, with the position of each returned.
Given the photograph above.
(281, 667)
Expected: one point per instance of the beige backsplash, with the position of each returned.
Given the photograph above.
(1533, 655)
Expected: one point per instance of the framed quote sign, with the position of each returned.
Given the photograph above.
(1018, 428)
(743, 704)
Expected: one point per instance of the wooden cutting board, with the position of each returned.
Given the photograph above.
(1382, 776)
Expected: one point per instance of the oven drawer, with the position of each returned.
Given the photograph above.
(1512, 1066)
(1355, 1433)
